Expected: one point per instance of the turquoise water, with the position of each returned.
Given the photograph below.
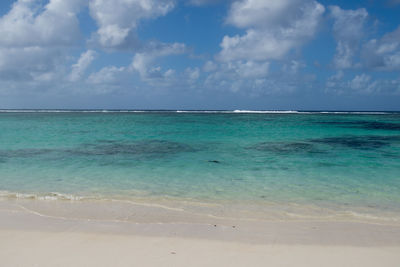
(320, 158)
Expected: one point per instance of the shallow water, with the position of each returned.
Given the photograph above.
(327, 160)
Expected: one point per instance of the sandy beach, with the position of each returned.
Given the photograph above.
(35, 233)
(199, 133)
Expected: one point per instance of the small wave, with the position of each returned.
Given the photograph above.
(355, 112)
(241, 111)
(299, 212)
(203, 111)
(314, 112)
(373, 217)
(282, 112)
(48, 196)
(268, 111)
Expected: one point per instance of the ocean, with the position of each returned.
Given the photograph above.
(318, 163)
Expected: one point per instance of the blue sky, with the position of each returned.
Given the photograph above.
(200, 54)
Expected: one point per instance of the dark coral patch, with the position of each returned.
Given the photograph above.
(286, 148)
(367, 125)
(150, 147)
(358, 142)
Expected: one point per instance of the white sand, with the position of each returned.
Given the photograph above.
(32, 238)
(20, 248)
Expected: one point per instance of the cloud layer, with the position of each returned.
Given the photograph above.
(117, 20)
(272, 27)
(266, 47)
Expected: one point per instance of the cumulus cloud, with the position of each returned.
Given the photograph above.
(255, 80)
(117, 30)
(193, 74)
(107, 75)
(273, 28)
(236, 75)
(360, 82)
(27, 62)
(242, 69)
(263, 13)
(142, 61)
(384, 53)
(348, 30)
(30, 24)
(80, 67)
(117, 20)
(294, 66)
(38, 37)
(110, 78)
(206, 2)
(334, 80)
(209, 66)
(35, 38)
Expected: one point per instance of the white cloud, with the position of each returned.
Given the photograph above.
(360, 82)
(83, 63)
(110, 78)
(206, 2)
(242, 69)
(28, 63)
(348, 29)
(209, 66)
(250, 69)
(30, 24)
(254, 45)
(335, 79)
(107, 75)
(35, 39)
(384, 53)
(263, 13)
(293, 66)
(193, 74)
(117, 20)
(348, 24)
(106, 80)
(273, 28)
(344, 56)
(267, 84)
(112, 35)
(238, 75)
(37, 36)
(142, 61)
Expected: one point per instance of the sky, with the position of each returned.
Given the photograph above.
(200, 54)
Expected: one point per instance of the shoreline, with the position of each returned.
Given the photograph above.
(30, 238)
(107, 217)
(165, 209)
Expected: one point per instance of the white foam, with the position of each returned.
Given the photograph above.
(48, 196)
(267, 111)
(203, 111)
